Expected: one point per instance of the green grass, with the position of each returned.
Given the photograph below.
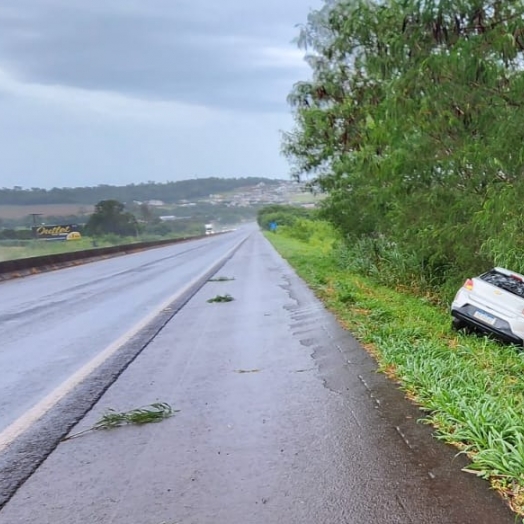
(33, 248)
(470, 388)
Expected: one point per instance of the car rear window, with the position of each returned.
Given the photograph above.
(508, 283)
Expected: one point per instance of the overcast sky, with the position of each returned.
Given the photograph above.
(121, 91)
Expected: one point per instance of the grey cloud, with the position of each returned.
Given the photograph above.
(44, 147)
(195, 51)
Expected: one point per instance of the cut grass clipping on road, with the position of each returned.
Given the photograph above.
(221, 279)
(221, 298)
(470, 388)
(112, 419)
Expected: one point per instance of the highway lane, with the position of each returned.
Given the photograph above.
(283, 419)
(53, 323)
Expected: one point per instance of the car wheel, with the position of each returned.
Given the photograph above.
(458, 324)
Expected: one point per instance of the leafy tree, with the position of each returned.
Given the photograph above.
(412, 123)
(283, 215)
(145, 212)
(18, 234)
(110, 218)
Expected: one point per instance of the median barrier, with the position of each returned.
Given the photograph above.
(32, 265)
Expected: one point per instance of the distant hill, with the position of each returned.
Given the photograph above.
(169, 192)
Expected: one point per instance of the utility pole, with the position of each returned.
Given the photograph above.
(34, 215)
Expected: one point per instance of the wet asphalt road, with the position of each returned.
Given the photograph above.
(51, 324)
(283, 420)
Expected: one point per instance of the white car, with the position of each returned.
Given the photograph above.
(493, 303)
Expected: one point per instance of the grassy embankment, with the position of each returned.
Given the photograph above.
(9, 250)
(12, 250)
(470, 389)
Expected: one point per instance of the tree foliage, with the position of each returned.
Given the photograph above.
(282, 215)
(412, 122)
(110, 218)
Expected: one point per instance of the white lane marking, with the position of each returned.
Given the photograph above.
(24, 422)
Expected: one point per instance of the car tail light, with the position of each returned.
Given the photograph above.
(468, 284)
